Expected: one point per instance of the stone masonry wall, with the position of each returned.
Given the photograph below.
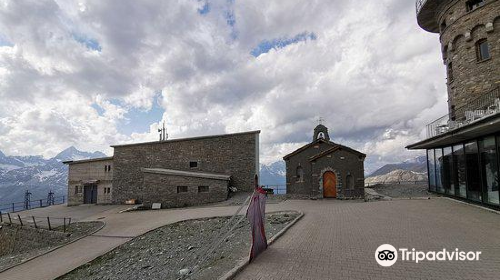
(459, 38)
(231, 154)
(86, 171)
(342, 163)
(305, 186)
(163, 189)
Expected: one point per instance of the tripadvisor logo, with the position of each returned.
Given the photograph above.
(386, 255)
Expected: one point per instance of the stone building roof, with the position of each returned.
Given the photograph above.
(206, 175)
(334, 147)
(87, 160)
(187, 139)
(337, 147)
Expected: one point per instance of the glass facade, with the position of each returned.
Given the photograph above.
(489, 169)
(473, 171)
(469, 170)
(447, 173)
(431, 170)
(460, 171)
(439, 170)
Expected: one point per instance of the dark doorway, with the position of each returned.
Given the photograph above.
(90, 194)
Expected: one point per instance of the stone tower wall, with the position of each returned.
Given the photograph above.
(471, 78)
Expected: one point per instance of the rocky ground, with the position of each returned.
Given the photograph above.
(17, 244)
(163, 253)
(410, 190)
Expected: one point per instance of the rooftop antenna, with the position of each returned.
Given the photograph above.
(163, 133)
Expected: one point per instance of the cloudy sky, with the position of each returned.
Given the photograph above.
(95, 73)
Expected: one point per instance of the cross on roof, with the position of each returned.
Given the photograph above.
(320, 120)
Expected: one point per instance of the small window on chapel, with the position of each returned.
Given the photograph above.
(482, 50)
(474, 4)
(300, 174)
(193, 164)
(182, 189)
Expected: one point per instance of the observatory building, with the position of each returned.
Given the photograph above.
(463, 146)
(325, 169)
(176, 173)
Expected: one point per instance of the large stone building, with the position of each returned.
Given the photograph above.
(176, 173)
(463, 146)
(323, 168)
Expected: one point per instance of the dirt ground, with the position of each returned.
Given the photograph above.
(164, 252)
(17, 244)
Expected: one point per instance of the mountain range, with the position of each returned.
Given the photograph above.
(39, 175)
(36, 174)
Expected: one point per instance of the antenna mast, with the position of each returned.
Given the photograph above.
(163, 133)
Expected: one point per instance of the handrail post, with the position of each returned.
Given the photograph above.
(10, 219)
(1, 217)
(40, 203)
(20, 220)
(48, 222)
(13, 207)
(34, 221)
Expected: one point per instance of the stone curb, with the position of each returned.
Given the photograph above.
(243, 263)
(55, 248)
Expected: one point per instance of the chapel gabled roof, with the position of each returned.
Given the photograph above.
(337, 147)
(307, 146)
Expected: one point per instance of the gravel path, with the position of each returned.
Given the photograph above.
(162, 253)
(18, 244)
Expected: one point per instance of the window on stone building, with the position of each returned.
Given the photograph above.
(76, 189)
(182, 189)
(193, 164)
(482, 50)
(450, 72)
(474, 4)
(443, 25)
(300, 174)
(350, 182)
(202, 189)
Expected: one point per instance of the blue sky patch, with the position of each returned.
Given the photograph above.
(205, 9)
(4, 41)
(138, 120)
(88, 42)
(266, 45)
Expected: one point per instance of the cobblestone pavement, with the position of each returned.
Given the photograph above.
(337, 240)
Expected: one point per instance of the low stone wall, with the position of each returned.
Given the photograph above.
(160, 188)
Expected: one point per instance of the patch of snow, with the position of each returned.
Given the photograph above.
(9, 167)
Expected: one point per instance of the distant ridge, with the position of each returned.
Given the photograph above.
(36, 174)
(418, 165)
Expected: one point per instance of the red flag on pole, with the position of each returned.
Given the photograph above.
(256, 215)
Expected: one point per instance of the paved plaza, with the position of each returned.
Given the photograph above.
(337, 240)
(334, 240)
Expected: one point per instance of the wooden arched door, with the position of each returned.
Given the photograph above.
(329, 184)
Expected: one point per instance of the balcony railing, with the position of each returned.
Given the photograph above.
(484, 106)
(419, 4)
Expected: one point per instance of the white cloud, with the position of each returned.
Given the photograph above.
(370, 70)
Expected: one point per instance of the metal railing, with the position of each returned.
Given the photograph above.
(50, 223)
(277, 189)
(35, 203)
(484, 106)
(396, 183)
(419, 4)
